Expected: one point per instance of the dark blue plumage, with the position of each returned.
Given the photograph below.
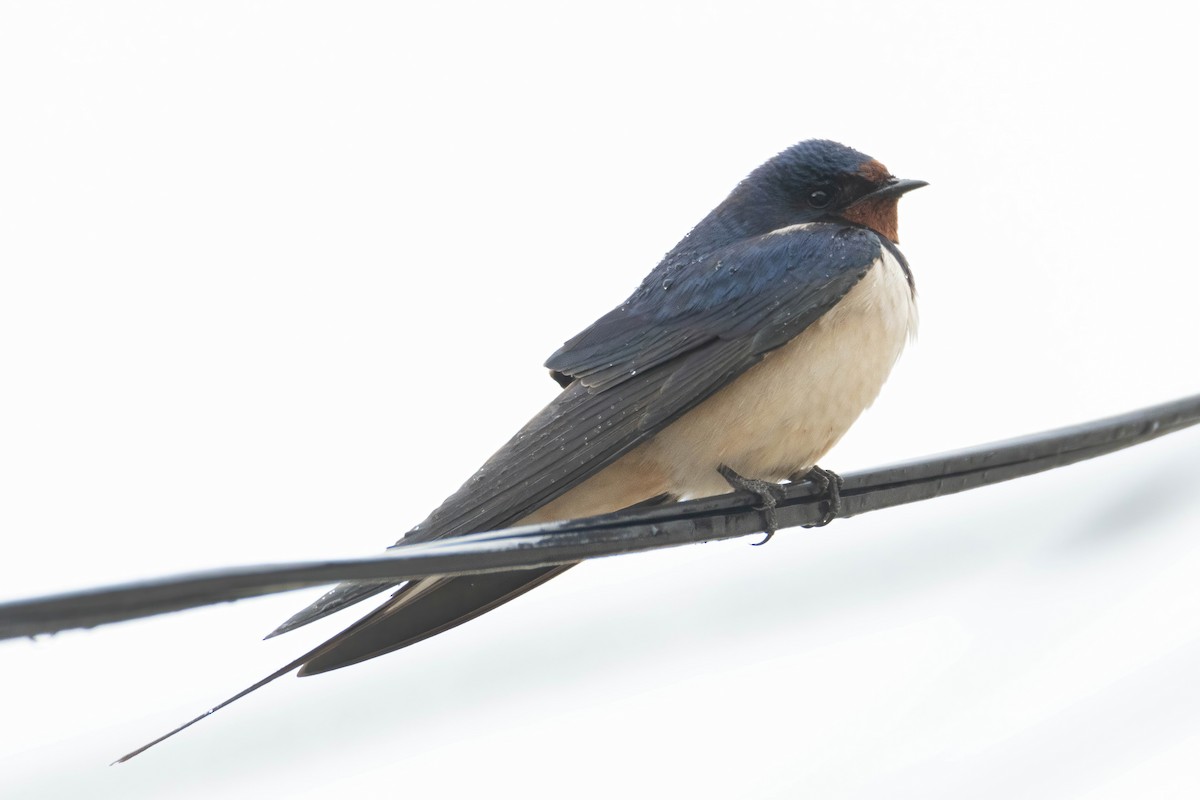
(771, 285)
(771, 197)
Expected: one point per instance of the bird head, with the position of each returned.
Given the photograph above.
(816, 180)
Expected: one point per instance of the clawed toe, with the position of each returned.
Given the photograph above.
(830, 484)
(768, 494)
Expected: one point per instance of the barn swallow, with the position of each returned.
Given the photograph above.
(744, 355)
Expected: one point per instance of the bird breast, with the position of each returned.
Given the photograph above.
(788, 410)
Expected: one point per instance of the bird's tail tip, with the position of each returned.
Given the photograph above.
(279, 673)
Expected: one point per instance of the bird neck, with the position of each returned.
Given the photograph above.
(749, 211)
(879, 214)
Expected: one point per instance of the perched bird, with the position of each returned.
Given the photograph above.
(740, 360)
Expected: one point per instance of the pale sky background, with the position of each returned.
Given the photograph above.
(277, 276)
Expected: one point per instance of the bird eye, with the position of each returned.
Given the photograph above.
(819, 198)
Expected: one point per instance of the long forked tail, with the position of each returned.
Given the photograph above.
(434, 605)
(418, 610)
(279, 673)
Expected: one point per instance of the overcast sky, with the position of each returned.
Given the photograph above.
(276, 277)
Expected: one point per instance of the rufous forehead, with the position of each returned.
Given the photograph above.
(874, 172)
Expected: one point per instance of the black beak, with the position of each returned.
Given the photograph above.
(894, 188)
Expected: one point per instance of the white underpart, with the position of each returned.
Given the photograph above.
(786, 412)
(775, 420)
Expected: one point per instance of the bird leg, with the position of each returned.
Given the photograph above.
(767, 493)
(831, 485)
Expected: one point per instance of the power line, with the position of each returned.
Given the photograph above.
(709, 519)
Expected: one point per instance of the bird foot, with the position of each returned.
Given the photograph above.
(767, 493)
(831, 485)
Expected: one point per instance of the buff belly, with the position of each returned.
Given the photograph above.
(779, 417)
